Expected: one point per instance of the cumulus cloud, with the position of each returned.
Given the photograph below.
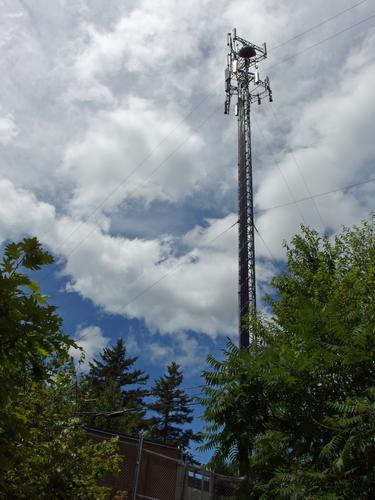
(121, 152)
(329, 146)
(8, 129)
(109, 109)
(184, 349)
(21, 213)
(191, 293)
(195, 290)
(112, 271)
(154, 38)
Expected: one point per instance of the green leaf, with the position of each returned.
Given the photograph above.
(33, 286)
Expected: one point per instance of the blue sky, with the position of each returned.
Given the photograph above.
(116, 154)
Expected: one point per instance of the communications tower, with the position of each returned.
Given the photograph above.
(242, 80)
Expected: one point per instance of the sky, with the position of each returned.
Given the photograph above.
(116, 154)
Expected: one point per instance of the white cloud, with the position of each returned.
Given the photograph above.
(132, 344)
(120, 152)
(113, 271)
(330, 146)
(21, 213)
(153, 37)
(191, 294)
(187, 351)
(8, 129)
(92, 92)
(92, 341)
(145, 279)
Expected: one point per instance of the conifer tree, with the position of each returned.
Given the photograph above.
(172, 406)
(116, 366)
(114, 385)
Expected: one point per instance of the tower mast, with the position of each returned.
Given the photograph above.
(242, 80)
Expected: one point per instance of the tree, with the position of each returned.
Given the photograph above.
(116, 366)
(302, 398)
(40, 436)
(30, 333)
(172, 405)
(111, 385)
(57, 460)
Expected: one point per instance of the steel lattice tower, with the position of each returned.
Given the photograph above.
(242, 80)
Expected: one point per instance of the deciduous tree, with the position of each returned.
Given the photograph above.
(44, 452)
(302, 397)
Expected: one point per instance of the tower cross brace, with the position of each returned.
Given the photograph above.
(242, 80)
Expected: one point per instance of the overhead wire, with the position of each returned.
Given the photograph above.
(137, 166)
(260, 211)
(174, 270)
(279, 169)
(305, 50)
(200, 386)
(264, 243)
(321, 23)
(317, 195)
(115, 189)
(292, 56)
(316, 44)
(303, 179)
(153, 172)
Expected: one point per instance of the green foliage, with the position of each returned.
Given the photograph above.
(32, 340)
(57, 460)
(171, 406)
(116, 366)
(44, 452)
(113, 384)
(300, 402)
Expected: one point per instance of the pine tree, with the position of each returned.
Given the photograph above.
(112, 382)
(115, 366)
(173, 410)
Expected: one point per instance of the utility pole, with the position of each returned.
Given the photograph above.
(242, 80)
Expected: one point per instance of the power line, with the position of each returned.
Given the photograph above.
(293, 56)
(280, 171)
(172, 271)
(317, 195)
(321, 23)
(153, 172)
(114, 190)
(295, 202)
(140, 164)
(304, 180)
(334, 35)
(298, 53)
(345, 188)
(154, 393)
(264, 243)
(260, 211)
(199, 386)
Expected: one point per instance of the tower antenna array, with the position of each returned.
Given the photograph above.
(243, 81)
